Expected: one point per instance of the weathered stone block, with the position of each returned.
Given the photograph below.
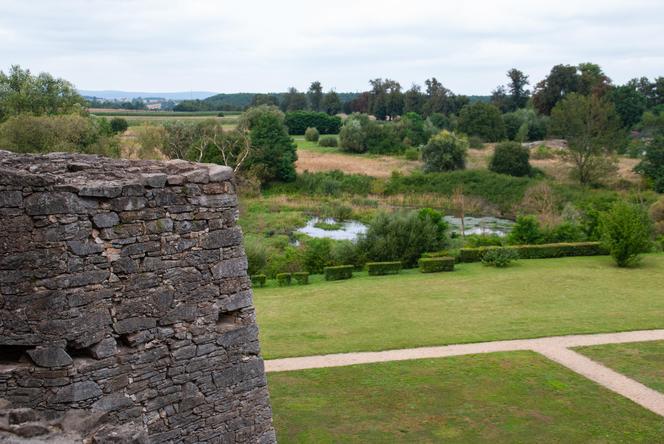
(105, 220)
(78, 391)
(50, 357)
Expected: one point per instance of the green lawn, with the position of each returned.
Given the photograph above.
(518, 397)
(313, 146)
(642, 361)
(533, 298)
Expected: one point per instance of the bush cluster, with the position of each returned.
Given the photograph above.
(298, 122)
(510, 158)
(301, 277)
(328, 141)
(436, 264)
(499, 257)
(445, 152)
(537, 251)
(311, 135)
(284, 279)
(338, 272)
(626, 233)
(359, 134)
(382, 268)
(258, 280)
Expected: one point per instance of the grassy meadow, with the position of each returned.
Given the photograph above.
(517, 397)
(533, 298)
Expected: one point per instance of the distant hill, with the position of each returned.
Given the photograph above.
(112, 94)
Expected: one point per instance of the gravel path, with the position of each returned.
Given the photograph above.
(555, 348)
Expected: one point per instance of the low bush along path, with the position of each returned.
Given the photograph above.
(556, 348)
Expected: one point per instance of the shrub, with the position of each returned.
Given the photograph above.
(301, 277)
(151, 140)
(298, 122)
(436, 264)
(475, 142)
(258, 280)
(328, 141)
(510, 158)
(499, 257)
(542, 251)
(657, 216)
(483, 120)
(338, 272)
(311, 135)
(526, 230)
(317, 254)
(256, 255)
(119, 125)
(400, 237)
(445, 152)
(483, 240)
(347, 252)
(331, 183)
(382, 138)
(652, 165)
(352, 136)
(626, 233)
(542, 152)
(564, 232)
(382, 268)
(284, 279)
(412, 153)
(412, 129)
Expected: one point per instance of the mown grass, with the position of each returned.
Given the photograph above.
(642, 361)
(517, 397)
(303, 144)
(533, 298)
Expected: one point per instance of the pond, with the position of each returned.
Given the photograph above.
(350, 230)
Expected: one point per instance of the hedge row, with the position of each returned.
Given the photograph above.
(284, 279)
(436, 264)
(381, 268)
(258, 280)
(538, 251)
(338, 272)
(298, 122)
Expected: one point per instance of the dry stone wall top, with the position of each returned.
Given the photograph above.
(124, 290)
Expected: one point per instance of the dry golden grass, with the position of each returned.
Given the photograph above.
(383, 166)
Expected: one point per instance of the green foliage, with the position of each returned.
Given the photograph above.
(562, 80)
(483, 120)
(499, 257)
(412, 128)
(652, 165)
(311, 135)
(317, 255)
(475, 142)
(497, 189)
(592, 130)
(21, 92)
(284, 279)
(119, 125)
(542, 152)
(526, 230)
(657, 216)
(445, 152)
(330, 183)
(273, 151)
(564, 232)
(524, 125)
(629, 104)
(298, 122)
(352, 136)
(258, 280)
(347, 252)
(440, 121)
(435, 217)
(411, 153)
(483, 240)
(25, 133)
(338, 272)
(256, 255)
(328, 141)
(301, 277)
(626, 233)
(400, 237)
(436, 264)
(383, 268)
(542, 251)
(510, 158)
(359, 134)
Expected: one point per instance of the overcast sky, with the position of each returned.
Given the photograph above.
(246, 45)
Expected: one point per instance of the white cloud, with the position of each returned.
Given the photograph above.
(267, 46)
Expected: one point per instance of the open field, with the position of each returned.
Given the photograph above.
(642, 361)
(376, 166)
(533, 298)
(501, 397)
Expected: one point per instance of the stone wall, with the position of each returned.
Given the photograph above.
(123, 290)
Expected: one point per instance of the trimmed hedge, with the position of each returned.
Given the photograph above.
(338, 272)
(298, 122)
(381, 268)
(284, 279)
(436, 264)
(328, 141)
(258, 280)
(301, 277)
(538, 251)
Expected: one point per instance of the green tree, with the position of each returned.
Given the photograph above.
(629, 103)
(331, 103)
(592, 129)
(352, 136)
(519, 95)
(500, 99)
(445, 152)
(413, 100)
(483, 120)
(293, 100)
(526, 231)
(23, 92)
(274, 153)
(119, 125)
(510, 158)
(315, 96)
(592, 80)
(385, 99)
(626, 232)
(652, 165)
(562, 80)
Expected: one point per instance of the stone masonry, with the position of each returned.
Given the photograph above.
(124, 295)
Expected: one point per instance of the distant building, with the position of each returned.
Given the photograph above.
(153, 106)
